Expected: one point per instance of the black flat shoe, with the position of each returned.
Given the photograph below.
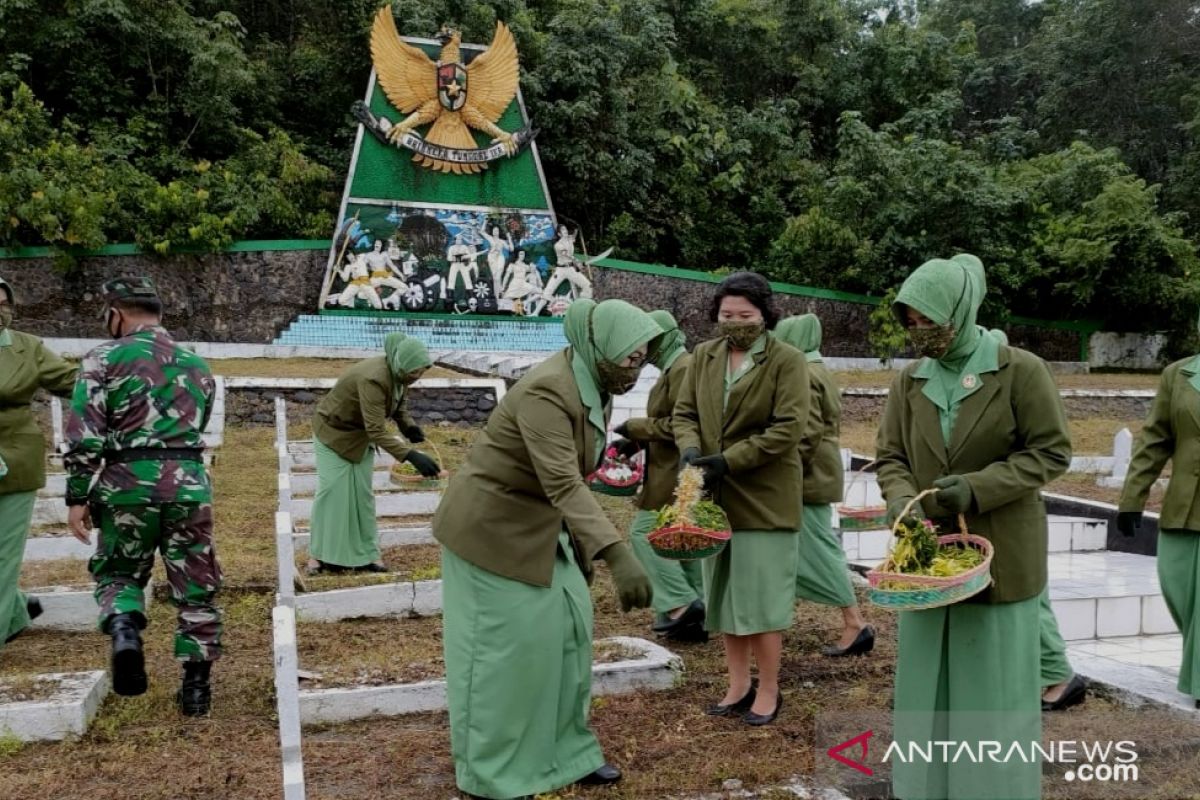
(691, 616)
(750, 718)
(862, 644)
(740, 707)
(605, 775)
(33, 607)
(1073, 695)
(689, 634)
(372, 568)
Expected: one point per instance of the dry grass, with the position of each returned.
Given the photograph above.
(408, 563)
(371, 652)
(55, 572)
(299, 368)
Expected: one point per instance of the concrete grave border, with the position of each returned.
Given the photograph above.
(656, 669)
(67, 712)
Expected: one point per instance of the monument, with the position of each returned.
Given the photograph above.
(445, 208)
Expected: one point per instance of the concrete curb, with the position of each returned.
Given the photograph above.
(655, 670)
(402, 599)
(67, 712)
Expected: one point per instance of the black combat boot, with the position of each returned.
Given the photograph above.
(128, 661)
(195, 695)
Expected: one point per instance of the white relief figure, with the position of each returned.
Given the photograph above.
(357, 276)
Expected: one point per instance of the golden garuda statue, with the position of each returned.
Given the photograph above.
(453, 96)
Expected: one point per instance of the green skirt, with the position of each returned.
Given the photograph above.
(518, 678)
(750, 586)
(1055, 667)
(344, 531)
(676, 583)
(1178, 575)
(968, 673)
(822, 575)
(16, 512)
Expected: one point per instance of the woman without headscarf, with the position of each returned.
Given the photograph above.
(822, 575)
(350, 424)
(1172, 433)
(983, 423)
(519, 530)
(678, 585)
(25, 366)
(740, 417)
(1062, 687)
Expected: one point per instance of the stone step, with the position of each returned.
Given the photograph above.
(1102, 595)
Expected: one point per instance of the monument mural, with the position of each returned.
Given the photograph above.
(445, 207)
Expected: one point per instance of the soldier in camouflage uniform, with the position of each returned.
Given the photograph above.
(139, 408)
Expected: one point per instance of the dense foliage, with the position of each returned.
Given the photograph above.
(829, 142)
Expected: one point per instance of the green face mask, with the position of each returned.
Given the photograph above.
(6, 318)
(932, 342)
(615, 379)
(741, 335)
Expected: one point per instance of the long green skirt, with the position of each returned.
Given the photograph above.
(518, 678)
(16, 512)
(822, 575)
(968, 673)
(676, 583)
(1178, 574)
(344, 531)
(750, 586)
(1055, 666)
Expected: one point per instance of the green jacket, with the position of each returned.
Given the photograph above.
(758, 433)
(662, 456)
(1171, 432)
(354, 414)
(523, 483)
(1010, 439)
(820, 452)
(27, 365)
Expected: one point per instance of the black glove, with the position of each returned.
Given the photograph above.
(626, 447)
(622, 430)
(424, 464)
(688, 457)
(715, 468)
(1129, 523)
(414, 434)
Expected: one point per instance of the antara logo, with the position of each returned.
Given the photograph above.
(860, 741)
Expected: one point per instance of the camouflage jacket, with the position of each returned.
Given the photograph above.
(140, 391)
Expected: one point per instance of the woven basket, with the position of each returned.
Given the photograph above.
(868, 518)
(415, 482)
(933, 591)
(601, 483)
(710, 542)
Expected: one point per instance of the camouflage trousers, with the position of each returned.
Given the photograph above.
(183, 533)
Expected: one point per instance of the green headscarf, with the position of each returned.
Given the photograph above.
(405, 355)
(997, 334)
(1192, 369)
(950, 292)
(610, 330)
(671, 345)
(802, 332)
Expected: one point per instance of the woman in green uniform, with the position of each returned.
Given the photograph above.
(1062, 687)
(678, 585)
(350, 424)
(740, 417)
(822, 575)
(26, 365)
(519, 530)
(1172, 433)
(982, 423)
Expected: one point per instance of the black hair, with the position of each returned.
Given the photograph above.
(753, 287)
(151, 306)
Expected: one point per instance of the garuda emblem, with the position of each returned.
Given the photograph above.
(454, 96)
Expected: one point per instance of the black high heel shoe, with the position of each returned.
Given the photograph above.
(750, 718)
(741, 706)
(862, 644)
